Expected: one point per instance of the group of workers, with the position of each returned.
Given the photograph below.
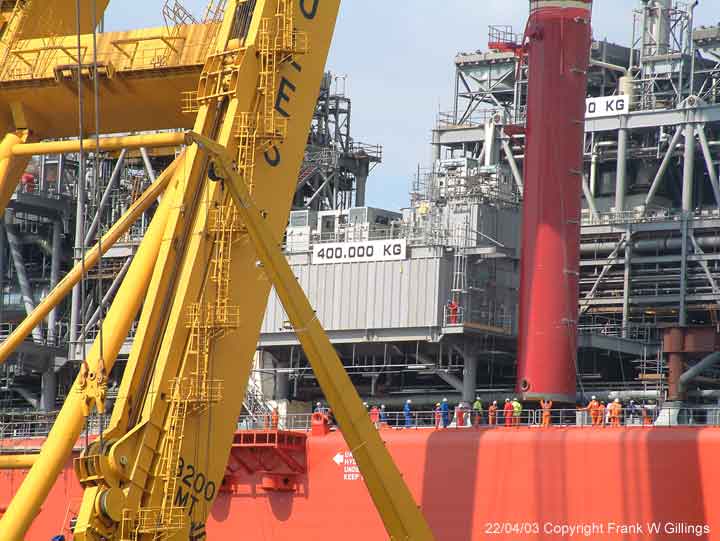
(612, 414)
(510, 415)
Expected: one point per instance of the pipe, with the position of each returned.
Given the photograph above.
(590, 199)
(663, 245)
(19, 264)
(48, 387)
(91, 258)
(609, 66)
(558, 42)
(54, 279)
(469, 381)
(513, 166)
(627, 276)
(114, 177)
(70, 421)
(593, 172)
(31, 398)
(633, 395)
(613, 255)
(682, 309)
(688, 169)
(17, 462)
(712, 172)
(165, 139)
(621, 172)
(663, 166)
(148, 165)
(107, 297)
(79, 249)
(689, 375)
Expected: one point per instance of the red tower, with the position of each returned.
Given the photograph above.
(558, 39)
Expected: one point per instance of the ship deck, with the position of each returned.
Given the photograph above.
(480, 483)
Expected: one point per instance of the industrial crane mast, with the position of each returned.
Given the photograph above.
(202, 275)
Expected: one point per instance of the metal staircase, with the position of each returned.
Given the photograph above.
(255, 404)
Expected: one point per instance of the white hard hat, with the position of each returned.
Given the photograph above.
(507, 400)
(382, 406)
(409, 401)
(593, 397)
(444, 399)
(617, 400)
(494, 401)
(319, 404)
(365, 404)
(514, 399)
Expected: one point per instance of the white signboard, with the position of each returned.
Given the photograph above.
(356, 252)
(606, 106)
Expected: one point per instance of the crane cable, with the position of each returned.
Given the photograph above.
(96, 178)
(82, 183)
(80, 193)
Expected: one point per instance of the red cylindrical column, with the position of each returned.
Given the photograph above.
(558, 39)
(674, 348)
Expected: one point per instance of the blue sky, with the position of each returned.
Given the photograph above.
(398, 55)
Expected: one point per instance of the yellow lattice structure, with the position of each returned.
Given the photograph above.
(12, 32)
(257, 131)
(208, 321)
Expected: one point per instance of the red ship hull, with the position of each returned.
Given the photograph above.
(504, 483)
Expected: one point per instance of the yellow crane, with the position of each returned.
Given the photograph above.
(202, 276)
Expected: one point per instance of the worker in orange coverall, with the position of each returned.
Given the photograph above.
(594, 408)
(615, 412)
(646, 419)
(460, 415)
(602, 411)
(275, 419)
(508, 412)
(546, 406)
(492, 413)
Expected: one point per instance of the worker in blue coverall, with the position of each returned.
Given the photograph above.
(445, 410)
(407, 410)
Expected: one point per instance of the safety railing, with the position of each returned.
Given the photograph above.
(453, 316)
(34, 425)
(640, 215)
(31, 425)
(375, 152)
(527, 418)
(6, 329)
(447, 120)
(640, 333)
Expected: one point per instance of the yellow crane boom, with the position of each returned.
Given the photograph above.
(203, 274)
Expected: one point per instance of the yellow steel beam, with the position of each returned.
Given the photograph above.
(11, 167)
(58, 446)
(393, 500)
(42, 18)
(17, 462)
(163, 349)
(143, 76)
(72, 278)
(152, 140)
